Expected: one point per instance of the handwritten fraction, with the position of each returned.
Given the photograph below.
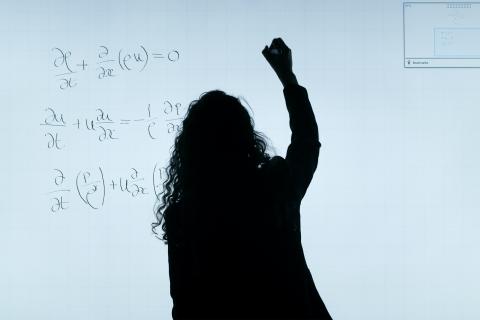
(92, 187)
(105, 127)
(107, 64)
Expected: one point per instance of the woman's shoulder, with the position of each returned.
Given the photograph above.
(275, 162)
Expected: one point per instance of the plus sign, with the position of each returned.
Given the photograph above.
(83, 64)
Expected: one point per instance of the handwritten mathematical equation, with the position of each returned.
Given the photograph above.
(92, 187)
(106, 127)
(108, 63)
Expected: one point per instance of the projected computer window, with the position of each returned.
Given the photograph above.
(441, 34)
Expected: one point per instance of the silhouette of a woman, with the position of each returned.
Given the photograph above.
(231, 213)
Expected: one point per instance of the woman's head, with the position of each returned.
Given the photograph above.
(217, 143)
(217, 131)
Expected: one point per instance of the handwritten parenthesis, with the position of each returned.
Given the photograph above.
(80, 194)
(119, 60)
(146, 61)
(103, 182)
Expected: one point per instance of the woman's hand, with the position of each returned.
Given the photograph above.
(279, 56)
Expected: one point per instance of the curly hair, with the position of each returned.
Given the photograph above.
(216, 125)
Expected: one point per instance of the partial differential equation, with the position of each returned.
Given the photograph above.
(92, 187)
(107, 64)
(105, 127)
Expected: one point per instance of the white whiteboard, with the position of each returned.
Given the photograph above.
(390, 221)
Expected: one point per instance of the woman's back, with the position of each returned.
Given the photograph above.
(234, 239)
(244, 256)
(236, 255)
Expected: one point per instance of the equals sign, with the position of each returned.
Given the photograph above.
(123, 121)
(158, 55)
